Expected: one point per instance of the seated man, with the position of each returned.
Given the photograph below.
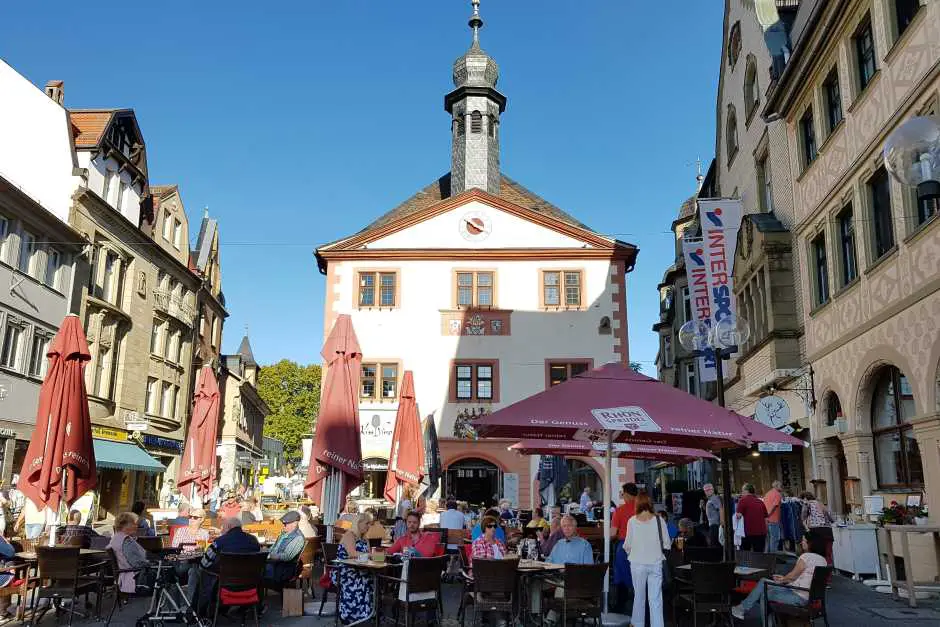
(77, 530)
(282, 558)
(689, 536)
(426, 543)
(571, 548)
(233, 540)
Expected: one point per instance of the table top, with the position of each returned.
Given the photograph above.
(31, 555)
(535, 565)
(368, 565)
(740, 571)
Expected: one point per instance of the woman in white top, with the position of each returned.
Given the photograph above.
(814, 546)
(647, 539)
(431, 517)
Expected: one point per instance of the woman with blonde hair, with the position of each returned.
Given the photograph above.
(355, 589)
(431, 517)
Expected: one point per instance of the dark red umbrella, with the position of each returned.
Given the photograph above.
(406, 458)
(198, 465)
(337, 441)
(614, 401)
(60, 460)
(577, 448)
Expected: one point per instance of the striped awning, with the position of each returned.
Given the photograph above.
(122, 456)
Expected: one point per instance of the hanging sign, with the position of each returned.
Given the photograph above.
(693, 250)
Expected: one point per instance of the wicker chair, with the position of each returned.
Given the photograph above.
(422, 580)
(60, 579)
(712, 584)
(111, 580)
(495, 583)
(815, 608)
(329, 556)
(583, 586)
(239, 582)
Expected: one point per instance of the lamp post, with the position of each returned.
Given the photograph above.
(719, 341)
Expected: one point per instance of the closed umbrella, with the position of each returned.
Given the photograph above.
(336, 457)
(432, 458)
(198, 465)
(60, 462)
(406, 458)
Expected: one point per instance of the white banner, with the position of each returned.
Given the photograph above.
(721, 221)
(694, 252)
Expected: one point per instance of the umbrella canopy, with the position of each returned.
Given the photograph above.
(406, 458)
(337, 441)
(432, 457)
(620, 449)
(60, 460)
(198, 465)
(614, 401)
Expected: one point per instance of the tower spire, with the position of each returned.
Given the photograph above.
(476, 23)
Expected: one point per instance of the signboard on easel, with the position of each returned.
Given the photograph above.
(511, 487)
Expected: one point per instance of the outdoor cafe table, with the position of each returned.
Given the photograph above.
(741, 572)
(373, 569)
(30, 556)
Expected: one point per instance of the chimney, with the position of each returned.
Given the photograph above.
(56, 91)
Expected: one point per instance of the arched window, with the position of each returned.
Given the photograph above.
(731, 133)
(833, 409)
(734, 44)
(897, 456)
(476, 122)
(751, 90)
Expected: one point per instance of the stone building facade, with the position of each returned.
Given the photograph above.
(241, 445)
(866, 248)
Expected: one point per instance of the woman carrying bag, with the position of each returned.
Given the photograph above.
(646, 544)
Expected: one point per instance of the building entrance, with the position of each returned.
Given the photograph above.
(476, 481)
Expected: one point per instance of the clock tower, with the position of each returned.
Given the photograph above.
(475, 106)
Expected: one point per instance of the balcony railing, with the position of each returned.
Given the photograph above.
(174, 305)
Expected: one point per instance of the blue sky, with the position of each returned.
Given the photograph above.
(299, 122)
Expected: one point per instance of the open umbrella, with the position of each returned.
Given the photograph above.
(198, 465)
(675, 454)
(406, 458)
(60, 462)
(336, 456)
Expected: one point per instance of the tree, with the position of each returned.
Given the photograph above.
(292, 392)
(636, 366)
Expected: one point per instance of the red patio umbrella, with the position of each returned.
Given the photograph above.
(198, 466)
(676, 454)
(60, 461)
(406, 458)
(614, 401)
(336, 447)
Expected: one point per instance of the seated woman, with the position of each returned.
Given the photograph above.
(187, 537)
(814, 550)
(130, 555)
(488, 545)
(356, 587)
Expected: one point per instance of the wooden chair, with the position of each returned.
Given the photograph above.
(329, 556)
(466, 581)
(308, 558)
(712, 584)
(27, 581)
(239, 580)
(421, 581)
(583, 586)
(495, 583)
(60, 579)
(815, 608)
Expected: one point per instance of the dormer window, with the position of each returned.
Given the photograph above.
(476, 122)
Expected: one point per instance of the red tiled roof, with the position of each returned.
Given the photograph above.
(91, 125)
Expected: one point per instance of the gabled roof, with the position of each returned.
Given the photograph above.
(439, 190)
(245, 352)
(90, 125)
(160, 191)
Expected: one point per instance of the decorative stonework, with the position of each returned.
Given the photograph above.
(476, 322)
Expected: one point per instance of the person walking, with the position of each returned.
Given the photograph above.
(618, 529)
(646, 542)
(754, 513)
(772, 501)
(712, 507)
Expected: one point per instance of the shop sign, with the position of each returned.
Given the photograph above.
(107, 433)
(774, 447)
(167, 443)
(243, 456)
(7, 433)
(134, 421)
(6, 386)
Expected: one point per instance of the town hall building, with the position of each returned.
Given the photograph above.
(485, 291)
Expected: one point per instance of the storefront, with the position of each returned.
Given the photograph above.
(374, 475)
(126, 472)
(14, 440)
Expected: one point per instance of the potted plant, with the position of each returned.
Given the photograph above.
(918, 515)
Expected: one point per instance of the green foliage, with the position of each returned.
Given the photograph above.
(636, 366)
(292, 392)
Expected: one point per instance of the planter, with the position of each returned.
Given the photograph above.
(921, 521)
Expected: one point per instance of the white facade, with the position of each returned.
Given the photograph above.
(117, 187)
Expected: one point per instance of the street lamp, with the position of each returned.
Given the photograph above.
(719, 341)
(912, 155)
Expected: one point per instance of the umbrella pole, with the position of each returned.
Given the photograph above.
(608, 491)
(54, 528)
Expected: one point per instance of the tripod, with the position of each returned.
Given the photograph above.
(169, 603)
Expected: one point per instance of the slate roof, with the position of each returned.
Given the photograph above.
(160, 191)
(244, 350)
(90, 125)
(439, 190)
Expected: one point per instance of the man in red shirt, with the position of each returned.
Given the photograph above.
(618, 529)
(754, 512)
(426, 544)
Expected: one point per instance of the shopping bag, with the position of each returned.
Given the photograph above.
(293, 602)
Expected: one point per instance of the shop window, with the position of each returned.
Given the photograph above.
(897, 456)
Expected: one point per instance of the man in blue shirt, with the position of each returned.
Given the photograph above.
(571, 549)
(233, 540)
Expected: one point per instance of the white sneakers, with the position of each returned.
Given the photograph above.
(738, 612)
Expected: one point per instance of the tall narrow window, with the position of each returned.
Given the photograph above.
(38, 361)
(389, 381)
(864, 41)
(167, 401)
(387, 289)
(177, 233)
(367, 381)
(691, 384)
(53, 265)
(156, 337)
(904, 12)
(106, 185)
(476, 122)
(484, 382)
(111, 282)
(849, 264)
(167, 225)
(686, 304)
(464, 379)
(808, 137)
(833, 100)
(29, 249)
(764, 185)
(4, 239)
(153, 396)
(820, 269)
(119, 201)
(897, 454)
(14, 342)
(751, 90)
(731, 133)
(881, 221)
(366, 289)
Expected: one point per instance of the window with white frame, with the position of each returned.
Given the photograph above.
(112, 277)
(173, 354)
(106, 184)
(153, 396)
(168, 409)
(167, 225)
(122, 188)
(764, 186)
(691, 383)
(38, 360)
(14, 344)
(157, 334)
(53, 268)
(177, 233)
(667, 352)
(31, 261)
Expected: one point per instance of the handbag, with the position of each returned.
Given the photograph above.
(667, 572)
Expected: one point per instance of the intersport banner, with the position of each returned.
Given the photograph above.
(721, 220)
(693, 250)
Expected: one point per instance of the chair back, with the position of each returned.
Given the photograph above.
(702, 554)
(82, 542)
(495, 576)
(151, 544)
(817, 587)
(59, 563)
(743, 558)
(241, 570)
(98, 543)
(375, 543)
(711, 578)
(424, 574)
(310, 550)
(584, 581)
(455, 536)
(330, 550)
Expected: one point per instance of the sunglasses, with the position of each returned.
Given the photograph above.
(195, 517)
(491, 526)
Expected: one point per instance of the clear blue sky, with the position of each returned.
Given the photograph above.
(299, 122)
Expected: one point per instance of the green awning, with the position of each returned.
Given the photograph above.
(121, 456)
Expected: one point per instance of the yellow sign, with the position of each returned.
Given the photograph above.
(107, 433)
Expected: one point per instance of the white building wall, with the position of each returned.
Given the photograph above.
(35, 149)
(129, 203)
